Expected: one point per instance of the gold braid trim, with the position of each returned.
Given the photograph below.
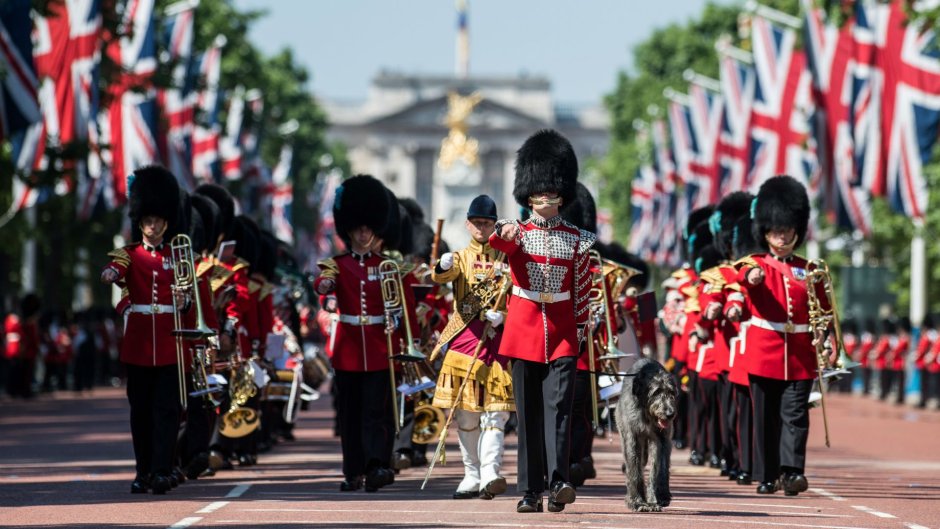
(220, 276)
(253, 286)
(746, 261)
(328, 268)
(714, 277)
(239, 264)
(266, 290)
(489, 388)
(203, 267)
(120, 256)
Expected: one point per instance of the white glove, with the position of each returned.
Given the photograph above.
(447, 261)
(494, 317)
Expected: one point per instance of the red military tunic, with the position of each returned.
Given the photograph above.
(719, 286)
(866, 345)
(600, 332)
(883, 346)
(685, 279)
(548, 306)
(359, 343)
(899, 352)
(22, 338)
(779, 342)
(147, 275)
(927, 339)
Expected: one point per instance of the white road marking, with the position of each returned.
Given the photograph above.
(237, 491)
(915, 526)
(212, 507)
(784, 513)
(873, 512)
(827, 494)
(186, 522)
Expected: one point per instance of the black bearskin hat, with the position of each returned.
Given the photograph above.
(267, 260)
(709, 257)
(781, 202)
(423, 239)
(582, 212)
(888, 326)
(225, 203)
(153, 190)
(742, 239)
(904, 324)
(545, 163)
(247, 238)
(29, 305)
(398, 233)
(360, 201)
(413, 208)
(210, 214)
(699, 239)
(695, 218)
(722, 221)
(849, 326)
(870, 326)
(197, 231)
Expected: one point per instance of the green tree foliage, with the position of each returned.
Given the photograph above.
(284, 85)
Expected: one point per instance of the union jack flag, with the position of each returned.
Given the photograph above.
(19, 107)
(239, 146)
(782, 110)
(737, 81)
(686, 150)
(208, 129)
(905, 55)
(178, 102)
(642, 206)
(664, 234)
(842, 89)
(705, 112)
(132, 114)
(283, 196)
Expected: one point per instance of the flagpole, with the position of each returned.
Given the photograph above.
(28, 264)
(704, 81)
(772, 14)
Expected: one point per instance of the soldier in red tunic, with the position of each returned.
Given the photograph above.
(781, 357)
(148, 349)
(22, 337)
(547, 315)
(360, 352)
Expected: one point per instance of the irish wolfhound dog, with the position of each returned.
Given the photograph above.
(645, 413)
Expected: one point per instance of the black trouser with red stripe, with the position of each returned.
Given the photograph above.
(745, 427)
(781, 426)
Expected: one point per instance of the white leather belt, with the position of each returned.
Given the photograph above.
(787, 327)
(361, 320)
(152, 309)
(540, 297)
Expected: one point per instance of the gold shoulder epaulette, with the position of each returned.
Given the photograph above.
(746, 261)
(266, 290)
(328, 268)
(120, 256)
(203, 267)
(220, 275)
(253, 286)
(239, 264)
(714, 277)
(681, 273)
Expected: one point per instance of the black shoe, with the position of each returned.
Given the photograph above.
(714, 462)
(198, 465)
(178, 475)
(531, 502)
(160, 485)
(419, 460)
(378, 478)
(494, 488)
(562, 492)
(140, 485)
(351, 484)
(767, 487)
(732, 474)
(678, 444)
(623, 468)
(288, 436)
(696, 459)
(466, 494)
(587, 463)
(555, 507)
(794, 484)
(576, 474)
(173, 481)
(401, 461)
(744, 478)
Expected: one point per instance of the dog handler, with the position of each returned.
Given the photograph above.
(547, 314)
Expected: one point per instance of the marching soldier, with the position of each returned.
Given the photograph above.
(781, 357)
(471, 342)
(548, 312)
(360, 351)
(148, 351)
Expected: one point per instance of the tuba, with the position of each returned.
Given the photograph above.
(619, 276)
(428, 424)
(237, 421)
(200, 378)
(185, 279)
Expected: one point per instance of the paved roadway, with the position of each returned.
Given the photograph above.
(67, 462)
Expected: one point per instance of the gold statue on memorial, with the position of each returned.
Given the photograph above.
(457, 145)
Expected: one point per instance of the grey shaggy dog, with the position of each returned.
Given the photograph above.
(645, 414)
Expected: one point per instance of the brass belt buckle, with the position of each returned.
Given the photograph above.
(788, 327)
(363, 319)
(546, 297)
(155, 308)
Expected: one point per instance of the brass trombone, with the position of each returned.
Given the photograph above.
(185, 278)
(820, 319)
(599, 297)
(393, 299)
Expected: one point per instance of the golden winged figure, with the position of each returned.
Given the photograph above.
(457, 145)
